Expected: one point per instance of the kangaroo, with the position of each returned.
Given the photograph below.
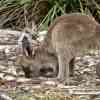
(69, 36)
(42, 64)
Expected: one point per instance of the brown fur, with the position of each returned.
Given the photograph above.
(70, 35)
(42, 64)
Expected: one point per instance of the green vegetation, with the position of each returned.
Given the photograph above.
(18, 14)
(13, 12)
(59, 7)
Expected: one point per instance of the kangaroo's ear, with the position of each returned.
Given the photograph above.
(97, 28)
(34, 52)
(28, 51)
(35, 48)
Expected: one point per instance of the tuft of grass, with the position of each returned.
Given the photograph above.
(13, 12)
(60, 7)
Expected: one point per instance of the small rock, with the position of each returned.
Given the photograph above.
(22, 79)
(7, 50)
(1, 75)
(36, 87)
(5, 97)
(86, 70)
(49, 83)
(9, 78)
